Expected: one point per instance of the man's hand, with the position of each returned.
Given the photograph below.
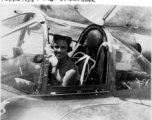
(53, 60)
(49, 51)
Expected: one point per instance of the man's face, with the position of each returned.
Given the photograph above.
(60, 48)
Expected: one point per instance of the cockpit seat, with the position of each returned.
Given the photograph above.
(101, 64)
(93, 41)
(95, 49)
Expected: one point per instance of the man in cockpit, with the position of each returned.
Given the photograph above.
(62, 70)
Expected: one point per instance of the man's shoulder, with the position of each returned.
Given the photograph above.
(70, 64)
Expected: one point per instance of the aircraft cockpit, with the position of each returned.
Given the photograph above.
(22, 50)
(112, 80)
(105, 63)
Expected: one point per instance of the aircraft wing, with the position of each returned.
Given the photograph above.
(64, 108)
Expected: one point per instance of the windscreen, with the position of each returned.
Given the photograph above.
(12, 22)
(21, 57)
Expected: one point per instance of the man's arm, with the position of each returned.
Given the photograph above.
(70, 78)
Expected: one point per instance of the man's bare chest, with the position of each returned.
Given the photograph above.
(58, 73)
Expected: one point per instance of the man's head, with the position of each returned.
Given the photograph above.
(61, 45)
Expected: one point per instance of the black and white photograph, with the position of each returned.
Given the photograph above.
(75, 62)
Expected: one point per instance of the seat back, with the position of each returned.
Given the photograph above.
(99, 71)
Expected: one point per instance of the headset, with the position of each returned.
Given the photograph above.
(66, 38)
